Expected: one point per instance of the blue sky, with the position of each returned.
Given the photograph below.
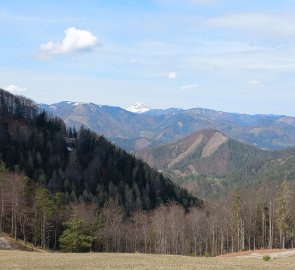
(229, 55)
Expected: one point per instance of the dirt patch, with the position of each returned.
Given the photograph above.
(9, 243)
(4, 244)
(273, 253)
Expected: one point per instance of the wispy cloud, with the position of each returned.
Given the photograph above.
(254, 82)
(260, 23)
(75, 40)
(172, 75)
(186, 3)
(14, 89)
(133, 61)
(189, 87)
(202, 2)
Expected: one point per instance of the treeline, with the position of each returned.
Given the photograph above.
(254, 219)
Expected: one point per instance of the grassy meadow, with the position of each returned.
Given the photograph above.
(36, 260)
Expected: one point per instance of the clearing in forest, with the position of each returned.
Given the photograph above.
(90, 261)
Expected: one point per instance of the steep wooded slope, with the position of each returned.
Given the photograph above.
(82, 165)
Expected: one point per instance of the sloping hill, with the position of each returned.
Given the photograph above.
(134, 131)
(209, 163)
(207, 152)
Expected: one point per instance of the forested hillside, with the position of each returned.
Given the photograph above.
(82, 165)
(210, 164)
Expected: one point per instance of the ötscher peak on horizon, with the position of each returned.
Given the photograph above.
(138, 107)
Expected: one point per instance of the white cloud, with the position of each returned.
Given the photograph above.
(75, 40)
(133, 61)
(172, 75)
(14, 89)
(189, 87)
(254, 82)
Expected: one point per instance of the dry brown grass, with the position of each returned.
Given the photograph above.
(249, 252)
(28, 260)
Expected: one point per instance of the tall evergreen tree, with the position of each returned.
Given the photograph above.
(283, 211)
(73, 238)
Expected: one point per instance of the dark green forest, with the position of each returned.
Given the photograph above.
(83, 166)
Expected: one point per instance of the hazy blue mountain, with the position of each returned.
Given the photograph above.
(134, 131)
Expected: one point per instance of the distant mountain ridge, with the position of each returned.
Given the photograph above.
(134, 131)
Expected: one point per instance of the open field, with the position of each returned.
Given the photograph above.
(33, 260)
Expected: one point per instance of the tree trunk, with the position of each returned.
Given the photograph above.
(222, 243)
(195, 248)
(263, 229)
(145, 241)
(213, 241)
(227, 246)
(249, 238)
(232, 242)
(55, 238)
(24, 230)
(242, 235)
(270, 237)
(2, 210)
(15, 226)
(12, 220)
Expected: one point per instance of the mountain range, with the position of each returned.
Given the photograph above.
(209, 164)
(140, 127)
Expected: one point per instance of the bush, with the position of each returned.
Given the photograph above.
(208, 255)
(266, 258)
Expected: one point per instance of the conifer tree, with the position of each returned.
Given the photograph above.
(236, 217)
(73, 238)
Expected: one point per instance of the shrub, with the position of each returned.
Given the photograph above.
(208, 254)
(266, 258)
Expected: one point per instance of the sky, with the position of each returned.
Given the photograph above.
(228, 55)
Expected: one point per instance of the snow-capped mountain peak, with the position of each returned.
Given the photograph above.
(138, 107)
